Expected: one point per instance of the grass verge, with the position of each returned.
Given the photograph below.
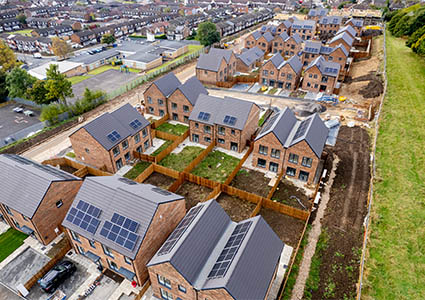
(163, 147)
(137, 170)
(180, 160)
(177, 129)
(10, 241)
(395, 267)
(216, 166)
(105, 68)
(78, 79)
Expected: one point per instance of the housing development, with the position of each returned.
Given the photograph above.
(208, 150)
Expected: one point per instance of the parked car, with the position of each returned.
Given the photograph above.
(18, 109)
(56, 276)
(29, 113)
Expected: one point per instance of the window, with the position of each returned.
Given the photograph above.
(23, 217)
(166, 295)
(273, 167)
(144, 132)
(81, 250)
(221, 130)
(307, 162)
(116, 151)
(289, 77)
(160, 102)
(185, 108)
(330, 58)
(161, 113)
(325, 79)
(107, 251)
(124, 144)
(265, 73)
(112, 265)
(186, 119)
(220, 141)
(139, 149)
(137, 138)
(307, 55)
(127, 260)
(75, 236)
(207, 139)
(15, 223)
(233, 132)
(207, 129)
(196, 125)
(87, 150)
(293, 158)
(195, 138)
(164, 281)
(310, 75)
(182, 289)
(173, 106)
(92, 244)
(263, 150)
(151, 110)
(315, 76)
(8, 209)
(146, 144)
(271, 72)
(175, 117)
(59, 203)
(315, 86)
(290, 171)
(119, 164)
(282, 74)
(127, 157)
(303, 176)
(275, 153)
(149, 100)
(261, 163)
(206, 72)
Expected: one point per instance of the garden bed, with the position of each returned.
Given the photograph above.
(160, 180)
(193, 193)
(216, 166)
(67, 168)
(162, 147)
(236, 208)
(288, 229)
(252, 181)
(179, 161)
(137, 170)
(285, 193)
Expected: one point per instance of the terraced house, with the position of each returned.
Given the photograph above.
(329, 24)
(344, 39)
(316, 14)
(230, 122)
(287, 45)
(216, 66)
(260, 40)
(120, 224)
(249, 59)
(294, 146)
(306, 29)
(108, 141)
(321, 76)
(210, 257)
(279, 73)
(35, 198)
(357, 24)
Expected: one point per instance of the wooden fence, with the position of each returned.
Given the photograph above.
(240, 193)
(215, 193)
(145, 174)
(159, 122)
(81, 168)
(81, 172)
(199, 158)
(239, 166)
(200, 180)
(166, 171)
(231, 81)
(271, 192)
(33, 280)
(176, 185)
(173, 146)
(257, 208)
(286, 209)
(166, 136)
(144, 157)
(143, 290)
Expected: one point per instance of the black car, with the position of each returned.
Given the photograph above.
(56, 276)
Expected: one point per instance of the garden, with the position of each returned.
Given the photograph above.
(217, 166)
(10, 241)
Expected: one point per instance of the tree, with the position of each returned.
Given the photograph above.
(3, 89)
(60, 48)
(108, 39)
(57, 86)
(207, 34)
(18, 81)
(7, 57)
(22, 19)
(38, 93)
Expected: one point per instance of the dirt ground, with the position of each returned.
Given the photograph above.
(236, 208)
(288, 229)
(346, 210)
(252, 181)
(285, 193)
(193, 193)
(68, 169)
(160, 180)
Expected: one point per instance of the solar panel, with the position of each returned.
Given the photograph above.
(204, 116)
(302, 128)
(230, 249)
(19, 159)
(269, 123)
(161, 191)
(229, 120)
(135, 124)
(114, 136)
(85, 216)
(121, 230)
(127, 181)
(178, 232)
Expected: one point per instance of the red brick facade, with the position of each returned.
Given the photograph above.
(315, 81)
(285, 77)
(155, 101)
(225, 71)
(328, 28)
(179, 107)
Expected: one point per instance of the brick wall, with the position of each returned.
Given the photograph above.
(282, 28)
(181, 101)
(206, 76)
(250, 42)
(292, 47)
(216, 294)
(199, 130)
(153, 96)
(307, 58)
(272, 74)
(271, 142)
(342, 42)
(305, 34)
(314, 83)
(20, 219)
(338, 57)
(328, 28)
(263, 44)
(288, 83)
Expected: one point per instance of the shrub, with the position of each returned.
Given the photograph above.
(52, 111)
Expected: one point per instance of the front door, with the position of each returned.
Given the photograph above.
(233, 146)
(195, 138)
(272, 82)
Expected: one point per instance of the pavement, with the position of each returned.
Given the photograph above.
(186, 143)
(8, 294)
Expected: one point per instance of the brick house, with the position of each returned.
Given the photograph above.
(279, 73)
(229, 121)
(287, 45)
(284, 26)
(35, 197)
(84, 38)
(306, 29)
(269, 72)
(285, 143)
(338, 55)
(321, 76)
(316, 14)
(260, 40)
(344, 39)
(120, 224)
(180, 103)
(157, 93)
(329, 24)
(357, 24)
(216, 66)
(210, 257)
(249, 59)
(348, 29)
(312, 50)
(110, 140)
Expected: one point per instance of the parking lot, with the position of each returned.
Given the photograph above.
(11, 122)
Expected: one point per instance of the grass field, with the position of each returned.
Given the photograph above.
(177, 129)
(395, 268)
(10, 241)
(109, 67)
(137, 170)
(180, 160)
(192, 49)
(78, 79)
(216, 166)
(26, 32)
(162, 147)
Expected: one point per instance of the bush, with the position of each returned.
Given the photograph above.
(52, 111)
(415, 36)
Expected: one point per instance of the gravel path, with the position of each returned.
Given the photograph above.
(313, 237)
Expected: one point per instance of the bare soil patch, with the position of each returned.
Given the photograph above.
(374, 87)
(68, 169)
(235, 207)
(344, 215)
(193, 193)
(287, 193)
(252, 181)
(160, 180)
(288, 229)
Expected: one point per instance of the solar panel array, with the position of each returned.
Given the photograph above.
(135, 124)
(229, 120)
(161, 191)
(270, 123)
(302, 128)
(331, 70)
(114, 136)
(230, 249)
(121, 230)
(312, 50)
(127, 181)
(178, 232)
(85, 216)
(204, 116)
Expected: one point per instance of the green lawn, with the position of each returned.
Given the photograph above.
(177, 129)
(395, 268)
(10, 241)
(163, 147)
(78, 79)
(216, 166)
(180, 160)
(26, 32)
(102, 69)
(137, 170)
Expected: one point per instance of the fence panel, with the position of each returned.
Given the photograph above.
(166, 171)
(257, 208)
(145, 174)
(159, 122)
(173, 146)
(176, 185)
(81, 172)
(241, 194)
(239, 166)
(199, 158)
(286, 209)
(165, 135)
(144, 157)
(215, 193)
(271, 192)
(199, 180)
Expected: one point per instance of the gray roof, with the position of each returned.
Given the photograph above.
(356, 22)
(221, 53)
(303, 24)
(312, 47)
(268, 36)
(256, 34)
(294, 62)
(344, 36)
(167, 84)
(276, 60)
(209, 62)
(119, 121)
(327, 68)
(318, 12)
(195, 253)
(89, 59)
(335, 20)
(347, 28)
(284, 36)
(143, 57)
(296, 38)
(287, 23)
(192, 88)
(342, 48)
(280, 124)
(251, 55)
(110, 194)
(219, 108)
(24, 182)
